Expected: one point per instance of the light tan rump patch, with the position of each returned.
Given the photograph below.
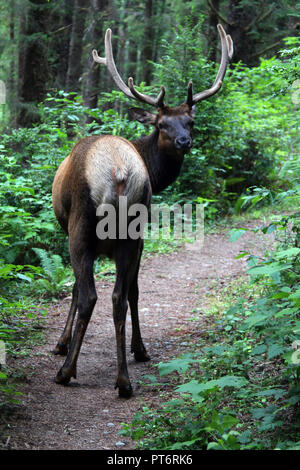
(113, 168)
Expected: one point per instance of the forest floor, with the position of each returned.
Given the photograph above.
(87, 414)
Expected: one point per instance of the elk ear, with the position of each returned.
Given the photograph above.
(138, 114)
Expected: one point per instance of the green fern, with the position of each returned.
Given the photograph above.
(55, 276)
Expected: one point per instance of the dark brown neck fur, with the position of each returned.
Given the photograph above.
(163, 168)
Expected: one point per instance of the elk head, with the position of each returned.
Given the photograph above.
(174, 124)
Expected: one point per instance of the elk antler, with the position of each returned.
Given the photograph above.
(227, 53)
(129, 90)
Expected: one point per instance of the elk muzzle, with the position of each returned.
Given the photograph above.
(183, 142)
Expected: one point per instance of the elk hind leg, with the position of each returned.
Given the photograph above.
(64, 341)
(137, 345)
(127, 257)
(87, 298)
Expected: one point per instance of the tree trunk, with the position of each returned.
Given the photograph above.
(60, 42)
(12, 66)
(239, 18)
(75, 50)
(160, 29)
(33, 63)
(96, 39)
(212, 31)
(147, 53)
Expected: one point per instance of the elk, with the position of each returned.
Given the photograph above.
(99, 170)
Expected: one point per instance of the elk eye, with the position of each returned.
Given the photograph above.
(160, 125)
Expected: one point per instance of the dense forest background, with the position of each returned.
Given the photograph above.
(46, 58)
(245, 155)
(46, 45)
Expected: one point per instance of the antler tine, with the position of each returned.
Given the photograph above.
(224, 57)
(110, 64)
(227, 52)
(97, 58)
(130, 91)
(189, 100)
(158, 101)
(230, 46)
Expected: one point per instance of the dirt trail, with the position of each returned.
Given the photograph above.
(88, 414)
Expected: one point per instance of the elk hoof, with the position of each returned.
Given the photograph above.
(60, 349)
(126, 392)
(142, 356)
(125, 389)
(63, 378)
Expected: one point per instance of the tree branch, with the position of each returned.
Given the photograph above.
(221, 17)
(62, 28)
(266, 49)
(266, 14)
(260, 17)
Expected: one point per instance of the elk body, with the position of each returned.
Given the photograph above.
(98, 171)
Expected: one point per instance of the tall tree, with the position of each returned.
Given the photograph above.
(213, 20)
(61, 29)
(95, 39)
(33, 60)
(239, 19)
(12, 64)
(256, 27)
(75, 49)
(147, 51)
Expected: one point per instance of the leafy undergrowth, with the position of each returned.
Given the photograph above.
(238, 387)
(25, 292)
(21, 327)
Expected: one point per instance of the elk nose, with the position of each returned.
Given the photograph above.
(183, 142)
